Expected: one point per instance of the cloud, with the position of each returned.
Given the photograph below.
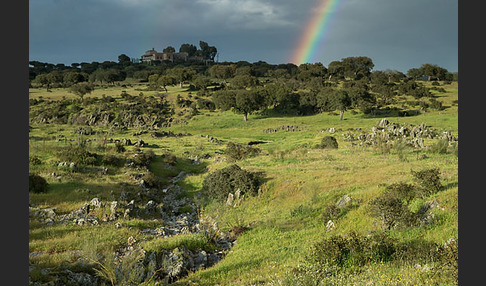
(247, 14)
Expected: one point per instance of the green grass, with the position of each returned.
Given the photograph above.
(287, 217)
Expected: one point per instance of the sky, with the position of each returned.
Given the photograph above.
(395, 34)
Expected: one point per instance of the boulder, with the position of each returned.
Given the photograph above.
(344, 201)
(330, 226)
(383, 123)
(95, 203)
(229, 200)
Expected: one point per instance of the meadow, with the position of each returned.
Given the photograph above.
(283, 223)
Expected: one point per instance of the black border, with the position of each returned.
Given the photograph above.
(14, 151)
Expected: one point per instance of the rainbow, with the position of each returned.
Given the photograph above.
(314, 32)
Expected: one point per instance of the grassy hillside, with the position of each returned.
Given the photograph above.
(282, 225)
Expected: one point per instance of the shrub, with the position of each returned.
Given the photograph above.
(113, 160)
(448, 257)
(205, 104)
(400, 146)
(435, 104)
(37, 184)
(79, 155)
(403, 191)
(171, 159)
(151, 180)
(331, 212)
(329, 142)
(381, 144)
(440, 146)
(392, 206)
(352, 251)
(428, 181)
(235, 151)
(220, 183)
(144, 158)
(119, 147)
(34, 160)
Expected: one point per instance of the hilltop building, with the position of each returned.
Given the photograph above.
(152, 55)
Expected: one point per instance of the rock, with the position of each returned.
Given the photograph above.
(95, 202)
(344, 201)
(82, 279)
(450, 241)
(426, 216)
(113, 207)
(383, 123)
(150, 208)
(229, 200)
(131, 241)
(179, 177)
(330, 225)
(73, 166)
(49, 213)
(200, 260)
(237, 194)
(118, 225)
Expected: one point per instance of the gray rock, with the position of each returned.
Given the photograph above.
(82, 279)
(95, 202)
(383, 123)
(330, 226)
(151, 208)
(229, 200)
(200, 260)
(113, 207)
(344, 201)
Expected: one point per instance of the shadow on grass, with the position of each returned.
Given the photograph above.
(392, 112)
(78, 192)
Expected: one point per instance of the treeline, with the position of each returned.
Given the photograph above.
(247, 87)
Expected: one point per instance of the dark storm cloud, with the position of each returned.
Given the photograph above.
(395, 34)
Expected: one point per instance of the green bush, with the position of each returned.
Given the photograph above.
(331, 212)
(428, 181)
(151, 180)
(220, 183)
(235, 151)
(119, 147)
(113, 160)
(144, 158)
(352, 251)
(205, 104)
(392, 206)
(435, 104)
(34, 160)
(37, 184)
(329, 142)
(171, 159)
(79, 155)
(448, 258)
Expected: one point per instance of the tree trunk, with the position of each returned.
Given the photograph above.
(341, 113)
(245, 116)
(180, 84)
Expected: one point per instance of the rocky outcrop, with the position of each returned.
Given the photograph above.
(177, 215)
(388, 132)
